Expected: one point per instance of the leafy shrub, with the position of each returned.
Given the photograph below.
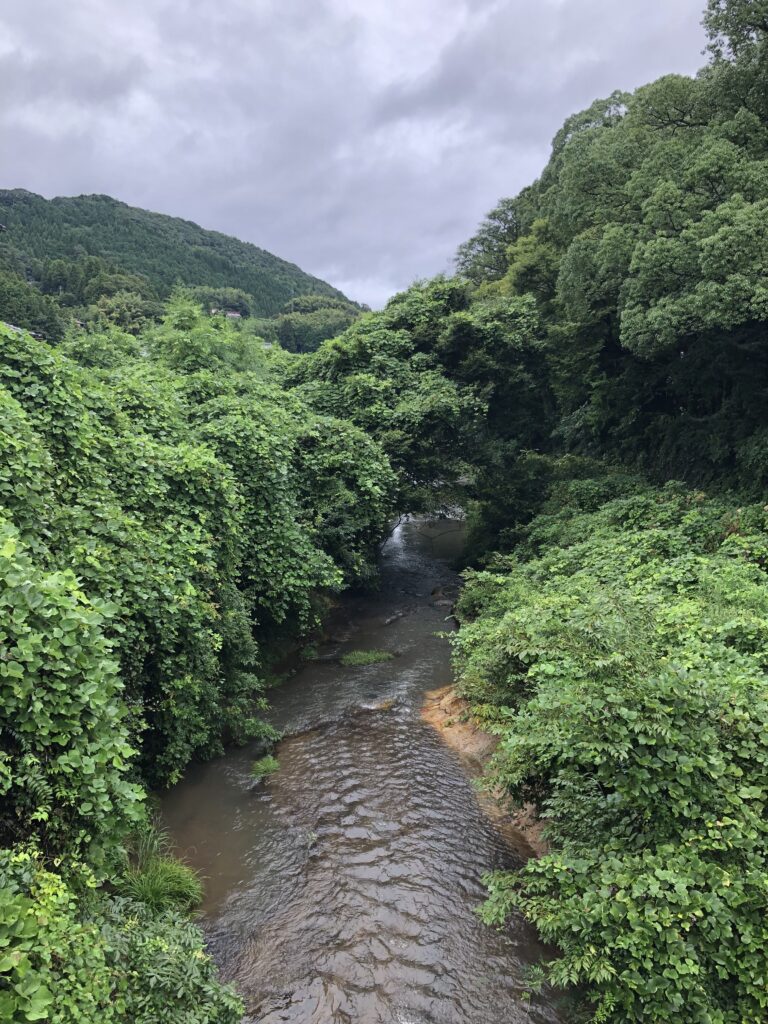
(70, 956)
(53, 965)
(198, 503)
(65, 753)
(161, 971)
(166, 514)
(621, 658)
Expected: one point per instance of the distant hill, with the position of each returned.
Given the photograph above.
(166, 250)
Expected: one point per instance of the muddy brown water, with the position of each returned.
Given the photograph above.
(343, 889)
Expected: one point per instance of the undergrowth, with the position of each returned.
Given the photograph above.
(620, 656)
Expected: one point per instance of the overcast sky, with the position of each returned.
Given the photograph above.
(361, 139)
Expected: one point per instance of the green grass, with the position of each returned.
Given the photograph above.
(155, 876)
(365, 657)
(163, 883)
(266, 765)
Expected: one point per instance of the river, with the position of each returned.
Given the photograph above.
(343, 888)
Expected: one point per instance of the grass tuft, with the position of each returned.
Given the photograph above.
(163, 883)
(267, 765)
(365, 657)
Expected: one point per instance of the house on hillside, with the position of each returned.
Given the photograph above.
(232, 313)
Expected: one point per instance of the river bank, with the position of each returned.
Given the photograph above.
(451, 717)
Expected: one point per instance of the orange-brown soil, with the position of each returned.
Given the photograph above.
(450, 715)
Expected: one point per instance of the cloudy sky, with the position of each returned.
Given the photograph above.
(362, 139)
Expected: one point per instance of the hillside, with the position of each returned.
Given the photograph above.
(163, 249)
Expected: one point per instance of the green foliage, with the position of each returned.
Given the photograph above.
(484, 256)
(346, 488)
(126, 310)
(162, 883)
(382, 376)
(177, 490)
(65, 751)
(372, 657)
(620, 655)
(198, 499)
(620, 652)
(71, 956)
(155, 876)
(309, 320)
(266, 765)
(22, 305)
(642, 244)
(81, 280)
(162, 972)
(222, 300)
(121, 520)
(187, 341)
(735, 26)
(53, 965)
(168, 515)
(451, 382)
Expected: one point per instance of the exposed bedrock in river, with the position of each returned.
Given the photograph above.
(343, 888)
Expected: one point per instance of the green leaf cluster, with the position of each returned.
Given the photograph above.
(643, 244)
(265, 766)
(181, 485)
(443, 383)
(365, 657)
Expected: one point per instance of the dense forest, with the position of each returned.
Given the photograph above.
(181, 489)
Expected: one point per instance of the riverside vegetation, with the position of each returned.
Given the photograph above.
(176, 497)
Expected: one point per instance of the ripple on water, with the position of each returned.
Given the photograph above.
(344, 888)
(379, 868)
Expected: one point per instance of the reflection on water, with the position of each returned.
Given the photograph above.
(342, 889)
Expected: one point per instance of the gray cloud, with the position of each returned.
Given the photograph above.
(362, 139)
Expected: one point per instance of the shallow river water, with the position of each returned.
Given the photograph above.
(343, 888)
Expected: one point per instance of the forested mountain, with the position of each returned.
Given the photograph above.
(176, 495)
(164, 250)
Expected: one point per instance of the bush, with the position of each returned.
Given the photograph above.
(621, 658)
(53, 965)
(168, 515)
(161, 971)
(71, 956)
(64, 753)
(163, 883)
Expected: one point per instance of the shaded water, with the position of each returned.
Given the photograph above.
(343, 888)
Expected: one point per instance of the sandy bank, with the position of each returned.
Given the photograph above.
(450, 716)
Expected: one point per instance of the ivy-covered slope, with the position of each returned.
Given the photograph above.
(620, 655)
(167, 514)
(166, 250)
